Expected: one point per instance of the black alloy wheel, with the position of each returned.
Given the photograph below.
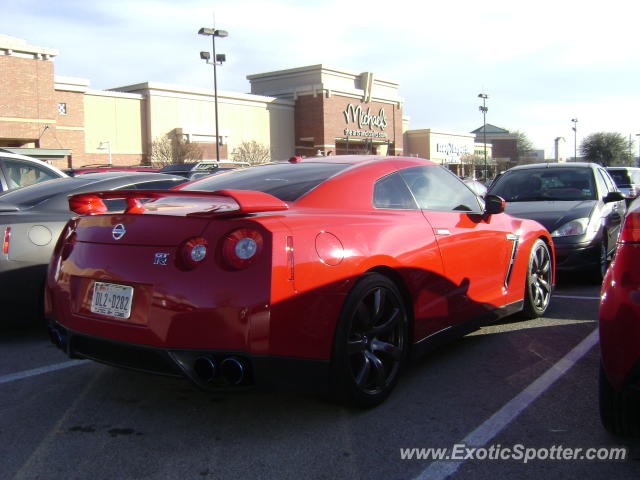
(539, 281)
(371, 342)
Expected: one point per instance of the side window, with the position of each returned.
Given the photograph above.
(436, 188)
(606, 179)
(391, 192)
(21, 174)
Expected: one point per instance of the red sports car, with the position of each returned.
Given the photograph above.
(321, 272)
(620, 333)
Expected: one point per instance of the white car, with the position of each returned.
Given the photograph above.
(19, 171)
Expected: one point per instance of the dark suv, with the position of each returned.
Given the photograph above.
(578, 203)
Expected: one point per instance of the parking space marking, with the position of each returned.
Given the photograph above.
(11, 377)
(576, 297)
(488, 430)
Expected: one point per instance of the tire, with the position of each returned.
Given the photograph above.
(619, 411)
(370, 343)
(602, 263)
(539, 281)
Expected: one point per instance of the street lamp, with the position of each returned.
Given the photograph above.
(217, 59)
(575, 139)
(484, 109)
(106, 145)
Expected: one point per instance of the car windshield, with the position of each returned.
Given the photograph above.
(540, 184)
(286, 181)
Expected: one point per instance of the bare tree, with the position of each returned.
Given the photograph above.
(173, 148)
(252, 152)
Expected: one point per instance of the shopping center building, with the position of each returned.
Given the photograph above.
(300, 111)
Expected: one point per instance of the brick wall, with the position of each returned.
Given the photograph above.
(26, 99)
(322, 118)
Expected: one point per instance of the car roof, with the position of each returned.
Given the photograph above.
(555, 165)
(623, 168)
(16, 156)
(66, 185)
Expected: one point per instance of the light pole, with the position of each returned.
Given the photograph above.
(575, 139)
(484, 109)
(638, 162)
(213, 33)
(106, 145)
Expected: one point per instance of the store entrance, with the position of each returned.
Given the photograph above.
(351, 146)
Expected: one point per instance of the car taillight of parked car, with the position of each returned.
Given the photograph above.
(631, 229)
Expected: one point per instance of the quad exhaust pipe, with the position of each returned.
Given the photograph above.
(205, 368)
(231, 370)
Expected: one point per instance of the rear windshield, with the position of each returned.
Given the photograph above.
(286, 181)
(540, 184)
(624, 178)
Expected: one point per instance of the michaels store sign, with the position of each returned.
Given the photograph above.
(364, 122)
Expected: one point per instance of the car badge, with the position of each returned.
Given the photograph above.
(118, 231)
(161, 259)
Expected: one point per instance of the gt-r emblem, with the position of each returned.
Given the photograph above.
(118, 231)
(161, 259)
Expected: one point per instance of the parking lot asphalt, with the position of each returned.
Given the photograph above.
(513, 385)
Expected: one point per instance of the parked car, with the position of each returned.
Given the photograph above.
(577, 202)
(619, 385)
(31, 219)
(99, 167)
(20, 170)
(314, 272)
(196, 170)
(627, 180)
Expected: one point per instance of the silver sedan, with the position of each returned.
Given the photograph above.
(31, 219)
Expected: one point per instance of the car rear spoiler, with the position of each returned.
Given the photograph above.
(220, 202)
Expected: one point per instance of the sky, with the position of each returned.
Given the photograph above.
(541, 63)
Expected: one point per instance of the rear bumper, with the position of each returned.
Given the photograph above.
(255, 371)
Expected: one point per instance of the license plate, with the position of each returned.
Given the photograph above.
(112, 300)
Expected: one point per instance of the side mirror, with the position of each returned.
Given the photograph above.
(613, 197)
(493, 204)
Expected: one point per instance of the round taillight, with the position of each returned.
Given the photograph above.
(192, 253)
(241, 248)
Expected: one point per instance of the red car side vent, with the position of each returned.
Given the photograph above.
(222, 201)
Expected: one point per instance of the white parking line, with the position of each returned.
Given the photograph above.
(498, 421)
(575, 297)
(11, 377)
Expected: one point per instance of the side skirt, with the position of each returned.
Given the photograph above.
(447, 335)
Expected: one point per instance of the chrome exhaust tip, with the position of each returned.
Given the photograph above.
(232, 370)
(205, 368)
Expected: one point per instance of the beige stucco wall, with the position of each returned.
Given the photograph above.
(438, 146)
(241, 117)
(114, 117)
